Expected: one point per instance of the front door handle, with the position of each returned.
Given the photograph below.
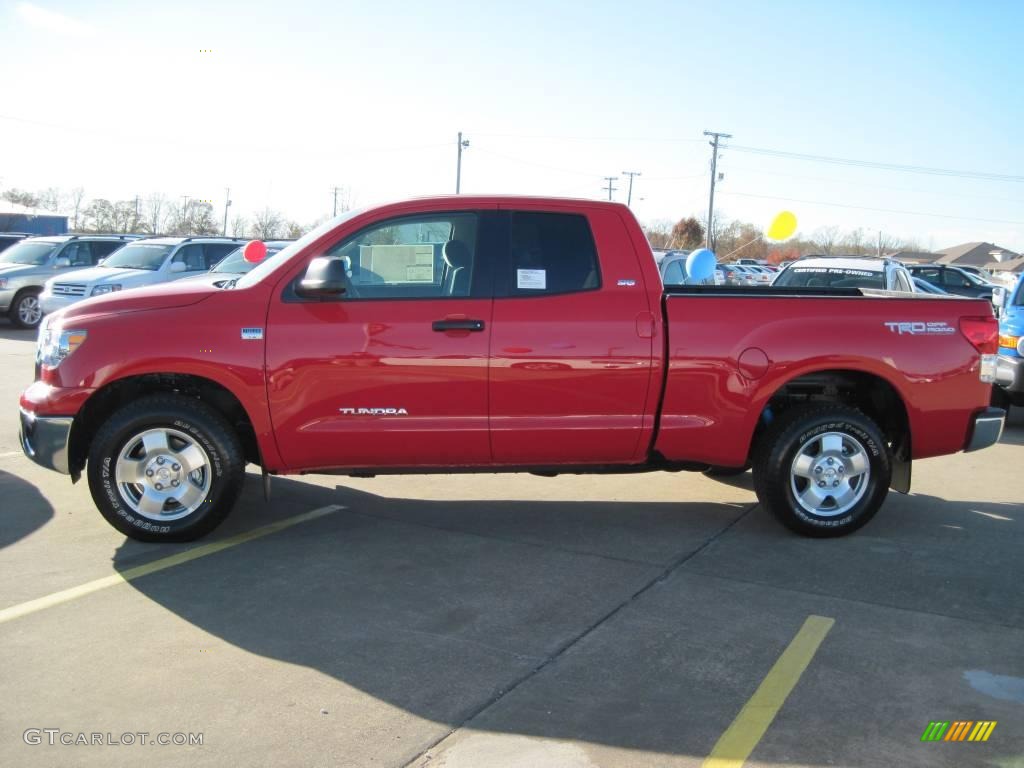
(458, 325)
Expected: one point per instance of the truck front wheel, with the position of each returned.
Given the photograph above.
(822, 470)
(165, 468)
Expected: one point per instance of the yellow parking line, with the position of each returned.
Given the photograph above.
(739, 740)
(66, 595)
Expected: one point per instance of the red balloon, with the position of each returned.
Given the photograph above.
(254, 251)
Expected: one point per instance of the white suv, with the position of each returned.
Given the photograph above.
(145, 262)
(846, 272)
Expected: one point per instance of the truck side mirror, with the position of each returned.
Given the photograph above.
(325, 278)
(62, 262)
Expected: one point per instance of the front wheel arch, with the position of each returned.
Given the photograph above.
(107, 399)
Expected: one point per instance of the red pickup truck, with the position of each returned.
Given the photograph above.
(502, 334)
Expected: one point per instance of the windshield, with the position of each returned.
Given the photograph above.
(28, 253)
(267, 266)
(830, 277)
(235, 263)
(1018, 300)
(139, 256)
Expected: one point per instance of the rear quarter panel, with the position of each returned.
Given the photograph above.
(712, 402)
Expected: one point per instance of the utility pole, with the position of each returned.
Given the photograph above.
(629, 195)
(879, 243)
(714, 175)
(462, 144)
(227, 204)
(335, 190)
(610, 188)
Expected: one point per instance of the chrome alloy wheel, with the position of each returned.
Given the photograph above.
(830, 474)
(29, 311)
(163, 474)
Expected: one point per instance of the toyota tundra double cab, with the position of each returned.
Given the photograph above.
(501, 334)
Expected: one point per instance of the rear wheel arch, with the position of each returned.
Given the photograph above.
(874, 395)
(112, 396)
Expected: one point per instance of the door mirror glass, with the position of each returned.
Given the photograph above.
(324, 278)
(63, 262)
(178, 266)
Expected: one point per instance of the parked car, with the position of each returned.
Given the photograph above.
(751, 262)
(26, 266)
(7, 239)
(148, 262)
(762, 275)
(846, 272)
(727, 274)
(499, 334)
(954, 280)
(745, 276)
(234, 264)
(923, 286)
(1010, 371)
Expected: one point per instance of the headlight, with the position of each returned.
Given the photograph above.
(55, 344)
(99, 290)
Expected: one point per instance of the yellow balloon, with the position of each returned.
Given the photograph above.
(782, 227)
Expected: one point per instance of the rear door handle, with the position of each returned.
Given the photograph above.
(458, 325)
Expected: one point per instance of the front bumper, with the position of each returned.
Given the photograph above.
(1010, 373)
(44, 439)
(50, 302)
(986, 429)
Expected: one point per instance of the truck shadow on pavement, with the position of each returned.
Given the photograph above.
(440, 607)
(24, 509)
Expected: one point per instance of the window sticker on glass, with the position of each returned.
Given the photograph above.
(532, 279)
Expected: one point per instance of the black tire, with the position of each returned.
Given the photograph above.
(15, 312)
(798, 428)
(183, 415)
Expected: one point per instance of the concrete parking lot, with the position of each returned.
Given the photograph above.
(464, 621)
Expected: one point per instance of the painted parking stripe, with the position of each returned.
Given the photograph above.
(67, 595)
(11, 455)
(740, 738)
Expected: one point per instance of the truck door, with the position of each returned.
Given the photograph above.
(394, 373)
(571, 341)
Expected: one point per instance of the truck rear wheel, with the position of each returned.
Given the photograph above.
(165, 468)
(822, 470)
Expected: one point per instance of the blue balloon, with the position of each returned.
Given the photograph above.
(700, 265)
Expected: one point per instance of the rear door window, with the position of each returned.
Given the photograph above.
(549, 253)
(79, 253)
(192, 257)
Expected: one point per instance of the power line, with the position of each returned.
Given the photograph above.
(877, 186)
(869, 208)
(575, 172)
(880, 166)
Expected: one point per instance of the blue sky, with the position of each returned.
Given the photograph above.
(297, 97)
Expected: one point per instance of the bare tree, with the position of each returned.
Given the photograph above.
(52, 199)
(267, 224)
(21, 197)
(853, 243)
(239, 227)
(294, 230)
(153, 218)
(825, 239)
(659, 233)
(77, 199)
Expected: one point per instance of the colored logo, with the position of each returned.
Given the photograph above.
(958, 730)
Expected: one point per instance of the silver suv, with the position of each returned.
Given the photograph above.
(27, 265)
